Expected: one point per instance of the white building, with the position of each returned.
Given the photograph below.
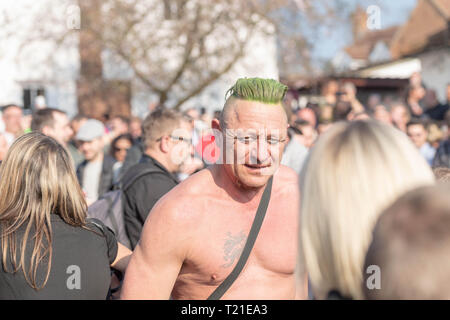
(42, 69)
(422, 45)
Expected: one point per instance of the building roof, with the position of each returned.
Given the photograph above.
(429, 18)
(363, 46)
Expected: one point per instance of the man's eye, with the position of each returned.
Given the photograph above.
(246, 139)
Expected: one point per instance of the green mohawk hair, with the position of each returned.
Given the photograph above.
(257, 89)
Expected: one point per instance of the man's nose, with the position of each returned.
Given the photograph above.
(263, 152)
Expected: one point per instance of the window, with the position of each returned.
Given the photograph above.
(33, 97)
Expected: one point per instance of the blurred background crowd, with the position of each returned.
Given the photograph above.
(112, 80)
(417, 113)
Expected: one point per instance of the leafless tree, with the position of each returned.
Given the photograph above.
(174, 48)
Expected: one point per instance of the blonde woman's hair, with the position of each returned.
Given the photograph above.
(37, 179)
(353, 173)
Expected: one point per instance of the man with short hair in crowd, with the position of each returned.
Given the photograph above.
(382, 114)
(348, 94)
(194, 235)
(136, 128)
(410, 246)
(308, 133)
(418, 133)
(95, 173)
(295, 152)
(12, 117)
(119, 125)
(53, 123)
(167, 143)
(400, 115)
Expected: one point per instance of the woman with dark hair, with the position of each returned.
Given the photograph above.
(119, 148)
(48, 249)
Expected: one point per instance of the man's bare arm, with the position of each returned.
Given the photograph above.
(122, 258)
(158, 257)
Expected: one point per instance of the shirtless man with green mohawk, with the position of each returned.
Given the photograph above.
(195, 234)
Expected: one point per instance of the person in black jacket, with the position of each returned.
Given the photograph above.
(95, 173)
(48, 248)
(167, 143)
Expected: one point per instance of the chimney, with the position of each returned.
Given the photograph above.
(359, 23)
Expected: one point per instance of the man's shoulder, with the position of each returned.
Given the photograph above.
(140, 172)
(81, 166)
(190, 194)
(108, 161)
(285, 182)
(286, 174)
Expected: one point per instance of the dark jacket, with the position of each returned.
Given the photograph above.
(442, 157)
(106, 176)
(140, 197)
(134, 155)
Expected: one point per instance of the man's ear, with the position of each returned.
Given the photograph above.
(46, 130)
(164, 144)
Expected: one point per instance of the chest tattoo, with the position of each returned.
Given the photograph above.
(234, 244)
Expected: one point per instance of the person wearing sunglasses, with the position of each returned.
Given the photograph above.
(119, 148)
(167, 143)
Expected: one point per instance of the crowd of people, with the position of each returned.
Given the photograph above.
(352, 185)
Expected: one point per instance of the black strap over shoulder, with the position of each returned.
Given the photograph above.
(139, 171)
(254, 231)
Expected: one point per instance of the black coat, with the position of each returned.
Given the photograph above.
(140, 197)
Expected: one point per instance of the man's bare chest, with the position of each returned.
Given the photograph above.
(222, 235)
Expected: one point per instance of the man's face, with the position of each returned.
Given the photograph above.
(119, 126)
(399, 115)
(418, 93)
(255, 138)
(180, 146)
(308, 115)
(418, 134)
(13, 120)
(308, 136)
(91, 149)
(136, 129)
(61, 131)
(381, 114)
(448, 92)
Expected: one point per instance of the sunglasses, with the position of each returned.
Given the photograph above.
(178, 138)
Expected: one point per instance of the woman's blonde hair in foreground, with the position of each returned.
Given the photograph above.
(353, 173)
(37, 179)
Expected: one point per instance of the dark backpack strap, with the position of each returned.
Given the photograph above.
(110, 212)
(126, 184)
(256, 226)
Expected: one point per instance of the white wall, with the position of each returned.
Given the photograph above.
(39, 64)
(58, 75)
(436, 71)
(400, 69)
